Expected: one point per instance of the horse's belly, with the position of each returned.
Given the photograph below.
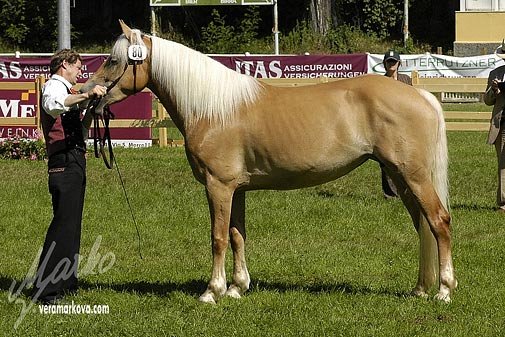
(298, 177)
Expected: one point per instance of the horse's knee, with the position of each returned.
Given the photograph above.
(442, 226)
(237, 238)
(219, 244)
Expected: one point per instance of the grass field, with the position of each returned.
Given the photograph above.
(333, 260)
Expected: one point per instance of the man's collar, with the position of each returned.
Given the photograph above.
(62, 79)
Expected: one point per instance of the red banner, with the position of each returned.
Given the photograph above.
(23, 103)
(306, 66)
(28, 69)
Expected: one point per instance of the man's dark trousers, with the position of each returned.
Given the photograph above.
(59, 259)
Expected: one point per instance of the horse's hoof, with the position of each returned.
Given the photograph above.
(419, 293)
(207, 297)
(443, 298)
(233, 292)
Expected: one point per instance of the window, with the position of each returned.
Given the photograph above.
(482, 5)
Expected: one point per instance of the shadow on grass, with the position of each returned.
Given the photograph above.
(196, 287)
(6, 283)
(473, 207)
(192, 287)
(324, 288)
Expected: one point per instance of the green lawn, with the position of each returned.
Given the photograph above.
(476, 107)
(333, 260)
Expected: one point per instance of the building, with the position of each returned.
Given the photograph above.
(480, 27)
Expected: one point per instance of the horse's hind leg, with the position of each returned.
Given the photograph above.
(428, 249)
(219, 197)
(439, 222)
(241, 277)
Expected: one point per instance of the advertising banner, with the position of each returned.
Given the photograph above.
(27, 69)
(434, 65)
(306, 66)
(18, 103)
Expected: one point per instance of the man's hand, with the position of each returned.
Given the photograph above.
(98, 91)
(494, 86)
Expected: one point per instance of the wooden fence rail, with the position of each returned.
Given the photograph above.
(456, 120)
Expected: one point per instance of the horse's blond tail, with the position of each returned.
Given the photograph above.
(440, 157)
(429, 264)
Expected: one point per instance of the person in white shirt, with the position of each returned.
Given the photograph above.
(64, 131)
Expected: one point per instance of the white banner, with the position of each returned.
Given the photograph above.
(130, 143)
(434, 65)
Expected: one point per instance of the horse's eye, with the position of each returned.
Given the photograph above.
(113, 60)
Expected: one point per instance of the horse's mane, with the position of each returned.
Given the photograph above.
(201, 87)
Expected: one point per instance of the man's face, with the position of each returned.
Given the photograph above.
(391, 65)
(72, 71)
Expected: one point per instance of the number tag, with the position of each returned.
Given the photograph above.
(137, 52)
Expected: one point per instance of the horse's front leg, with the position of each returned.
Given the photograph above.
(219, 197)
(241, 277)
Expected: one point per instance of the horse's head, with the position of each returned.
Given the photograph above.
(126, 70)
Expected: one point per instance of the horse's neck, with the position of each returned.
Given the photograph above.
(170, 107)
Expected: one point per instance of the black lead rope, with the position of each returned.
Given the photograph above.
(99, 141)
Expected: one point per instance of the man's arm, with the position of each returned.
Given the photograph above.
(97, 91)
(492, 89)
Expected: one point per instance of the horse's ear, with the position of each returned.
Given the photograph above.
(126, 30)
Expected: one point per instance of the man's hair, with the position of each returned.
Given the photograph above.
(63, 55)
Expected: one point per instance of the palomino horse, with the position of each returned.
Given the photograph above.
(241, 134)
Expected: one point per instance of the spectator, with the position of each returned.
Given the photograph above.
(495, 96)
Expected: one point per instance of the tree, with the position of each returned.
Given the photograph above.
(379, 17)
(323, 15)
(28, 25)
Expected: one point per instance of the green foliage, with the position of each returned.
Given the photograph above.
(13, 22)
(20, 148)
(28, 26)
(365, 26)
(220, 37)
(341, 40)
(348, 39)
(376, 16)
(303, 39)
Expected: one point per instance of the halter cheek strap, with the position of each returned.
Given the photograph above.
(98, 140)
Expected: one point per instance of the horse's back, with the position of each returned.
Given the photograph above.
(358, 105)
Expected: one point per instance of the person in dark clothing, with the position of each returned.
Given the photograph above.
(495, 96)
(65, 131)
(392, 63)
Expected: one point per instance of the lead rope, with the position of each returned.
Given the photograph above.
(98, 140)
(130, 207)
